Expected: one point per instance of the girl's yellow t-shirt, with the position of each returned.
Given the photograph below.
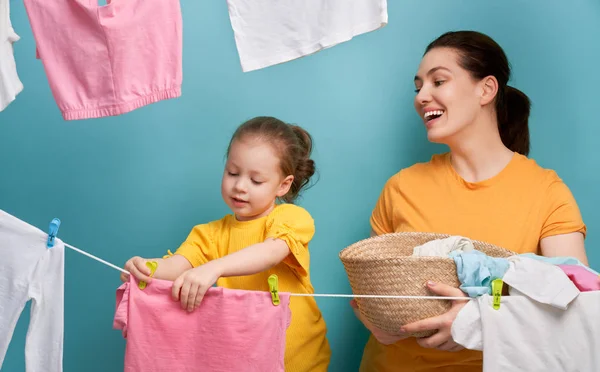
(514, 209)
(307, 348)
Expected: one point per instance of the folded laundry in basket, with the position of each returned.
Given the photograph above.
(442, 247)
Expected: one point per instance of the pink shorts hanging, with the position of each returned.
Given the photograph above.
(232, 330)
(111, 59)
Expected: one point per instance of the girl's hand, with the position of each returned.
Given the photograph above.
(381, 336)
(137, 267)
(442, 340)
(190, 287)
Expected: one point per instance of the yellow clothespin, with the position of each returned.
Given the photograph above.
(274, 289)
(152, 265)
(497, 292)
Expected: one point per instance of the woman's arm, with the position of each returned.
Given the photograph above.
(565, 245)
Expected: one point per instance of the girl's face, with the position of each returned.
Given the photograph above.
(252, 179)
(448, 99)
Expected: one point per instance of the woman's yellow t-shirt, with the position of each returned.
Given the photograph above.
(514, 209)
(307, 348)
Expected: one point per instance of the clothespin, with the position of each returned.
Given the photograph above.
(54, 226)
(274, 289)
(497, 292)
(152, 265)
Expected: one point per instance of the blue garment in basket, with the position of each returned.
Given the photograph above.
(476, 271)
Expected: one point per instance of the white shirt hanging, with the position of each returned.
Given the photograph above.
(270, 32)
(544, 325)
(31, 271)
(10, 84)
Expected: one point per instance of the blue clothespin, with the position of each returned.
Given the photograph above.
(54, 225)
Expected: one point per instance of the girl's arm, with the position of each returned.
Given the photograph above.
(253, 259)
(190, 287)
(167, 269)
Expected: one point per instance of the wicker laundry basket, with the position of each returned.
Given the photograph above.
(384, 265)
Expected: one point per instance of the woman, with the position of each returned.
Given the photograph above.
(484, 188)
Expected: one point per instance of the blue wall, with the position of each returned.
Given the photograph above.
(136, 184)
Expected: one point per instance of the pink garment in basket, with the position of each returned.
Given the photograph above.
(111, 59)
(232, 330)
(583, 278)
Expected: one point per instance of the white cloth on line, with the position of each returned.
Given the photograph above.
(541, 281)
(10, 84)
(270, 32)
(442, 247)
(525, 335)
(30, 270)
(544, 325)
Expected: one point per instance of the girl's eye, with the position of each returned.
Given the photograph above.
(232, 174)
(439, 82)
(256, 182)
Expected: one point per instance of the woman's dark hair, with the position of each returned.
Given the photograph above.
(482, 56)
(292, 144)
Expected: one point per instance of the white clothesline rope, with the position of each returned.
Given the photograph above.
(96, 258)
(291, 294)
(378, 296)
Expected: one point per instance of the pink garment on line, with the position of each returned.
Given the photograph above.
(583, 279)
(232, 330)
(111, 59)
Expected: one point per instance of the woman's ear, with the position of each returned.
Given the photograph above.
(489, 89)
(284, 186)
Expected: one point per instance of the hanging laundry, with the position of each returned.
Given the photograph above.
(232, 330)
(476, 271)
(31, 271)
(111, 59)
(271, 32)
(583, 279)
(548, 326)
(443, 247)
(10, 84)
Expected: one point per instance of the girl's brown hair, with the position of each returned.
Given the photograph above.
(292, 144)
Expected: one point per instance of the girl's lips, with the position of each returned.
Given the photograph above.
(238, 202)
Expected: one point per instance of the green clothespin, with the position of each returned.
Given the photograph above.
(152, 265)
(497, 292)
(274, 289)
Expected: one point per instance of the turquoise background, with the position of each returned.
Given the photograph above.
(135, 184)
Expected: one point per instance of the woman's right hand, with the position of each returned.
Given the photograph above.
(137, 267)
(381, 336)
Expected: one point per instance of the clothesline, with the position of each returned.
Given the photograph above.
(291, 294)
(96, 258)
(378, 296)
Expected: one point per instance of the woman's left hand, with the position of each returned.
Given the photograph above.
(442, 340)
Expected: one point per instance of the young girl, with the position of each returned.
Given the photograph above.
(267, 160)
